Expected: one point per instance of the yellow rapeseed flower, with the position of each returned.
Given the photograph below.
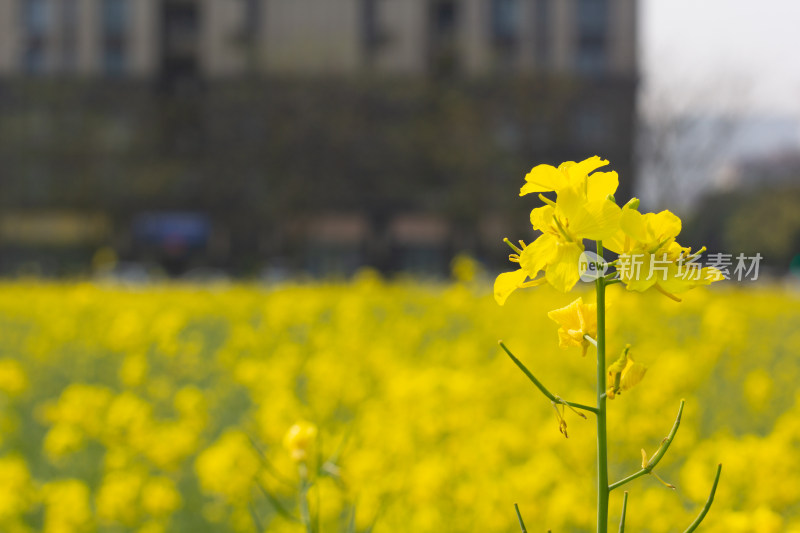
(624, 374)
(299, 439)
(576, 320)
(582, 210)
(651, 257)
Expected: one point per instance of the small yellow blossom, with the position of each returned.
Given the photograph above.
(651, 257)
(624, 374)
(299, 439)
(576, 320)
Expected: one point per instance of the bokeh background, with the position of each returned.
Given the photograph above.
(218, 217)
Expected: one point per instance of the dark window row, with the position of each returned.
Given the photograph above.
(40, 18)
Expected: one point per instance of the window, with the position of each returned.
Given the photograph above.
(36, 21)
(444, 17)
(36, 17)
(505, 21)
(443, 37)
(504, 17)
(592, 22)
(369, 14)
(115, 19)
(252, 23)
(374, 34)
(34, 59)
(69, 34)
(180, 35)
(114, 58)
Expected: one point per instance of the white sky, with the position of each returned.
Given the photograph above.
(745, 52)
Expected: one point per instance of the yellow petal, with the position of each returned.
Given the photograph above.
(589, 319)
(600, 185)
(543, 178)
(507, 283)
(619, 365)
(633, 224)
(664, 225)
(632, 375)
(538, 254)
(565, 340)
(634, 271)
(577, 171)
(596, 220)
(563, 271)
(621, 242)
(542, 218)
(567, 317)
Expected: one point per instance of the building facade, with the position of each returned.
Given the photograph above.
(280, 121)
(222, 38)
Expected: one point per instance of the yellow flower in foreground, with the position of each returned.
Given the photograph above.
(624, 374)
(651, 257)
(582, 210)
(576, 320)
(299, 439)
(576, 215)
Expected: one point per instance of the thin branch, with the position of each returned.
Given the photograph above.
(707, 506)
(624, 510)
(591, 340)
(553, 398)
(276, 504)
(256, 519)
(651, 464)
(519, 517)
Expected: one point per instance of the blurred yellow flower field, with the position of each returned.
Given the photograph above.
(165, 408)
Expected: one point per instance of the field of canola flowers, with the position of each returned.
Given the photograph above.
(164, 408)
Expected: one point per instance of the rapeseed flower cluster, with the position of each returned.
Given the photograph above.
(585, 209)
(165, 408)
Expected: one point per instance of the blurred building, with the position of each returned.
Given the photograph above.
(320, 132)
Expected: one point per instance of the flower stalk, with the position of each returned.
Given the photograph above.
(648, 466)
(519, 517)
(550, 396)
(624, 511)
(602, 437)
(585, 209)
(707, 506)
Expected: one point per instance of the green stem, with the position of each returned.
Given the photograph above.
(602, 446)
(707, 506)
(651, 464)
(552, 397)
(305, 514)
(519, 517)
(624, 510)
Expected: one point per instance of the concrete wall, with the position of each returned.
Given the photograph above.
(143, 38)
(312, 36)
(9, 37)
(223, 48)
(404, 24)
